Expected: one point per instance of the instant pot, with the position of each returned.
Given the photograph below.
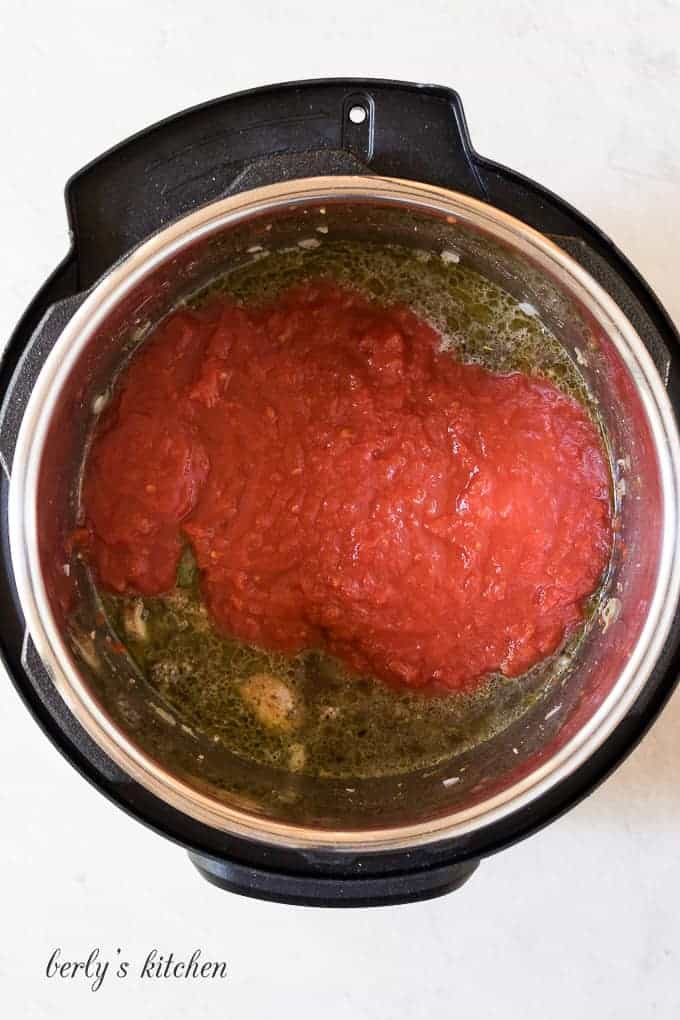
(151, 222)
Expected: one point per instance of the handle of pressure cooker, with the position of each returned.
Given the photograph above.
(29, 365)
(45, 335)
(302, 129)
(20, 385)
(318, 889)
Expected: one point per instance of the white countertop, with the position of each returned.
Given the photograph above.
(583, 919)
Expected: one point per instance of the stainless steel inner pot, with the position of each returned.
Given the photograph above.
(124, 716)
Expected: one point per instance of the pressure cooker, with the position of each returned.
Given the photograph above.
(175, 206)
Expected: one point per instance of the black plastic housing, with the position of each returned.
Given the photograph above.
(238, 142)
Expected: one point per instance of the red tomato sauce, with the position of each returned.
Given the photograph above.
(345, 485)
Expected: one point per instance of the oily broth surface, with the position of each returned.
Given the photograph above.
(478, 320)
(344, 725)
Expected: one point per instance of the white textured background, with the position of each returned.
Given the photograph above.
(583, 920)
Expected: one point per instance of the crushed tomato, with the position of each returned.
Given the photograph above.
(346, 485)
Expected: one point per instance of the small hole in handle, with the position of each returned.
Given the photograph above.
(357, 114)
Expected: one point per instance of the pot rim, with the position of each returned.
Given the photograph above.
(128, 273)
